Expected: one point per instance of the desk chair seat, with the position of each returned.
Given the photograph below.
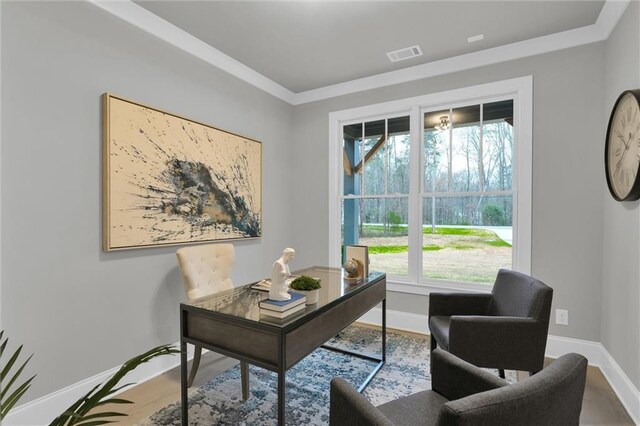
(206, 270)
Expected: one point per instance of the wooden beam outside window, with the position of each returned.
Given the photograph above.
(371, 153)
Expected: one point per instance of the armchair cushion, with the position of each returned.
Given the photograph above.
(416, 409)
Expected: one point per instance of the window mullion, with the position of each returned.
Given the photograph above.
(364, 165)
(482, 183)
(450, 166)
(415, 206)
(385, 146)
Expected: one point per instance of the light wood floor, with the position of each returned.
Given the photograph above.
(600, 405)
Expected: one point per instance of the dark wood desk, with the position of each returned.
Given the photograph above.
(230, 323)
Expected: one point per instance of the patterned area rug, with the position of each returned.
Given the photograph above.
(219, 401)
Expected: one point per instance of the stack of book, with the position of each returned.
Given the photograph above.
(284, 308)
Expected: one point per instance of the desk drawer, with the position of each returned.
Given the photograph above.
(306, 338)
(255, 344)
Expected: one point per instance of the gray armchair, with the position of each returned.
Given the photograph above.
(463, 394)
(506, 329)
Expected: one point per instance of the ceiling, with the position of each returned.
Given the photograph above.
(304, 45)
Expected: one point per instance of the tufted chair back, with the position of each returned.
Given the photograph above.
(206, 269)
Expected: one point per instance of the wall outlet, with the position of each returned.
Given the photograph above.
(562, 317)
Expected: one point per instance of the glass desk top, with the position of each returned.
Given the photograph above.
(242, 302)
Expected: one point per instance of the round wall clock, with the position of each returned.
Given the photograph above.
(622, 147)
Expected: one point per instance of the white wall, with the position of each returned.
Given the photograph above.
(620, 331)
(80, 310)
(567, 174)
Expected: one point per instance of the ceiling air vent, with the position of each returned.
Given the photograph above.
(406, 53)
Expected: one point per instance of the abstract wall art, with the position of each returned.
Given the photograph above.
(170, 180)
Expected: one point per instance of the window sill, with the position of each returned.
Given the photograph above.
(397, 285)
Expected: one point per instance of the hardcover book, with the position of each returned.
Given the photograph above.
(283, 305)
(263, 285)
(283, 314)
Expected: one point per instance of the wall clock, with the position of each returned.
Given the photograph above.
(622, 147)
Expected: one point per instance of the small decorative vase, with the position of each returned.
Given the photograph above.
(312, 296)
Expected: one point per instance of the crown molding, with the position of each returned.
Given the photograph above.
(610, 15)
(508, 52)
(140, 17)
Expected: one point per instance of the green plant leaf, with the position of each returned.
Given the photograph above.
(70, 412)
(7, 367)
(8, 402)
(14, 397)
(77, 414)
(119, 388)
(4, 344)
(114, 401)
(5, 388)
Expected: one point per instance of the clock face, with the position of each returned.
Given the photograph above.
(623, 149)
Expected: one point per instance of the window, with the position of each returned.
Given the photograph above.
(467, 197)
(376, 191)
(438, 187)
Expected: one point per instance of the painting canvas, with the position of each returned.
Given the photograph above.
(170, 180)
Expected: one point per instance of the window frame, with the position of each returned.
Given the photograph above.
(520, 90)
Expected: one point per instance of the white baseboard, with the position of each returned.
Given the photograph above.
(45, 409)
(624, 388)
(558, 346)
(405, 321)
(595, 352)
(598, 356)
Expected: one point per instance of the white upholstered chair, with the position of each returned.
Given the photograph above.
(206, 270)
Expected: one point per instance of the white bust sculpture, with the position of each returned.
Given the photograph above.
(279, 274)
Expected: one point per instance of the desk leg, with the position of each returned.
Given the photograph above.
(384, 329)
(183, 383)
(282, 376)
(281, 396)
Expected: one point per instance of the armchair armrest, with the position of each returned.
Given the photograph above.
(447, 304)
(455, 378)
(348, 407)
(481, 340)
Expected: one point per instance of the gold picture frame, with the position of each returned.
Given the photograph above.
(171, 180)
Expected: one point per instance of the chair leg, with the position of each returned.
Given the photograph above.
(196, 363)
(244, 375)
(501, 373)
